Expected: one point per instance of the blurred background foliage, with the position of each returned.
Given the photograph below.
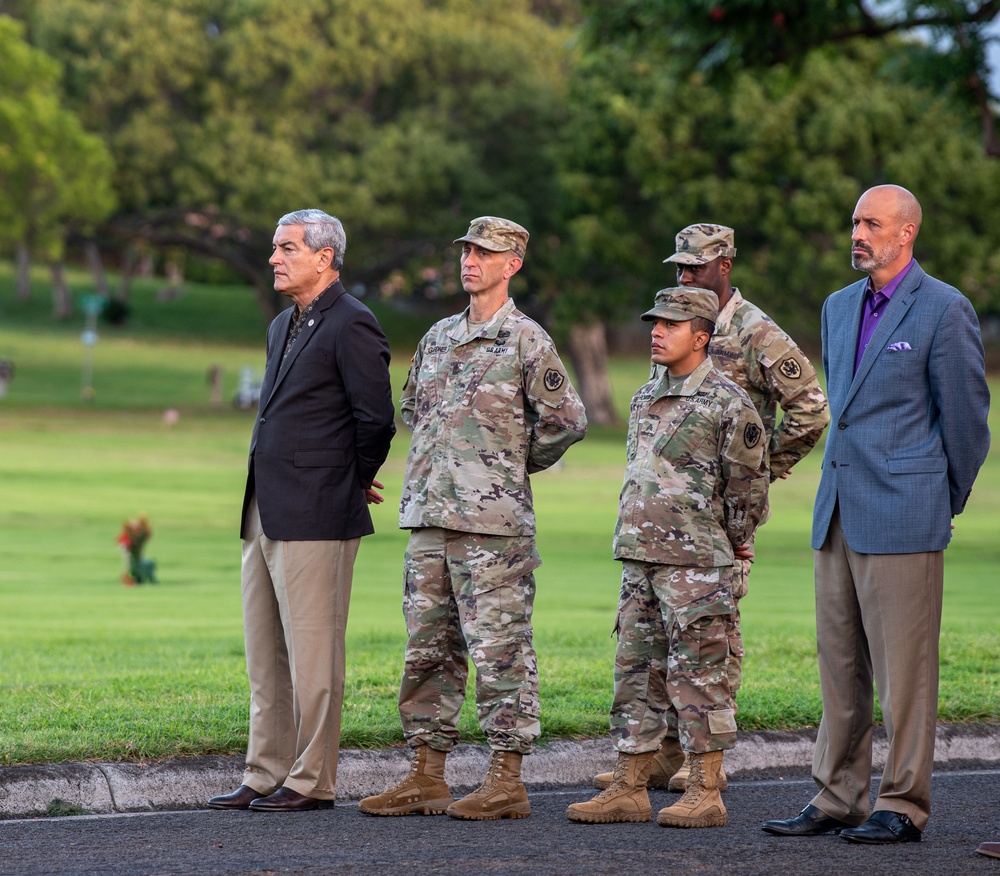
(148, 136)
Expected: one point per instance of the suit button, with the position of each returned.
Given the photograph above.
(834, 464)
(842, 425)
(263, 420)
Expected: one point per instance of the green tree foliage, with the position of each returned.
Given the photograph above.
(404, 118)
(722, 37)
(54, 176)
(781, 156)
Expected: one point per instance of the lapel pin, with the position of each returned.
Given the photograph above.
(311, 322)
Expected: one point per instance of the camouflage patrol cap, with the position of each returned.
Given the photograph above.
(699, 244)
(497, 235)
(683, 303)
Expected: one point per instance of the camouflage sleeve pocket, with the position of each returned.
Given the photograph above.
(547, 380)
(787, 369)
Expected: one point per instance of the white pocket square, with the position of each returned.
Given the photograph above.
(899, 345)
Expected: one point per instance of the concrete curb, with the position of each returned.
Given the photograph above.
(186, 783)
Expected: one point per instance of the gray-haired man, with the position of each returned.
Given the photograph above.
(323, 428)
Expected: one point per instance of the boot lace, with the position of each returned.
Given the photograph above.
(619, 780)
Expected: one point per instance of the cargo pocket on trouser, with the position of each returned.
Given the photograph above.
(699, 678)
(499, 633)
(736, 654)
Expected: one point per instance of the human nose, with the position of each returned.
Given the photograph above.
(275, 258)
(684, 277)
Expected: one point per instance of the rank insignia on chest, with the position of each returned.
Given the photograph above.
(553, 379)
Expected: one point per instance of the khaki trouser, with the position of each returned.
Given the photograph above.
(295, 601)
(878, 618)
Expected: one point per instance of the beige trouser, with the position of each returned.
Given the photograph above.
(295, 601)
(878, 617)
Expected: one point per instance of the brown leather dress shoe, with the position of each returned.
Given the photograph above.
(811, 821)
(241, 798)
(287, 800)
(991, 850)
(883, 827)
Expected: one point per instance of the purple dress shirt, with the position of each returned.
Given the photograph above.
(874, 305)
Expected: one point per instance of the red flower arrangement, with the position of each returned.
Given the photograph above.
(134, 535)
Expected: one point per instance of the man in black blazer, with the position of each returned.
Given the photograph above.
(324, 424)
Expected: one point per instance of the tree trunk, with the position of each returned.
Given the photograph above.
(23, 271)
(588, 351)
(97, 268)
(62, 302)
(130, 260)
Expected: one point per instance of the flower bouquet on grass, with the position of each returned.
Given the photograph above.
(138, 569)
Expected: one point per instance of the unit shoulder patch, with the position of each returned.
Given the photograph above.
(553, 379)
(791, 368)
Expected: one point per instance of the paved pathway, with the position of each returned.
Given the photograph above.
(344, 841)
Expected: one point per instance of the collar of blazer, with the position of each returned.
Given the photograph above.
(331, 294)
(897, 308)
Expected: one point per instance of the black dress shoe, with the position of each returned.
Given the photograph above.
(241, 798)
(287, 800)
(884, 826)
(809, 822)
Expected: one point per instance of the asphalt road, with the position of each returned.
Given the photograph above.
(343, 841)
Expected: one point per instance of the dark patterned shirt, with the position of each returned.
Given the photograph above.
(298, 322)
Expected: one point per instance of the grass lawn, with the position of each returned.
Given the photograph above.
(90, 668)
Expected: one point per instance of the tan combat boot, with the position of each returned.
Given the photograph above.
(501, 795)
(679, 781)
(423, 791)
(625, 799)
(667, 760)
(701, 805)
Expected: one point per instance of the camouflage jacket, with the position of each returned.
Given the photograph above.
(696, 477)
(488, 405)
(751, 350)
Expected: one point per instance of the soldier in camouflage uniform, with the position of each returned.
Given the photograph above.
(753, 351)
(489, 403)
(695, 489)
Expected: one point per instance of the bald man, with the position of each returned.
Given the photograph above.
(908, 406)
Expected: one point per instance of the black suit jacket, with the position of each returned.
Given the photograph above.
(324, 423)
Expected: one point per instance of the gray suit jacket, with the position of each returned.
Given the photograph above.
(908, 432)
(324, 423)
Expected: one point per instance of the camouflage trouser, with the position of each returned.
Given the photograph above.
(675, 627)
(469, 595)
(739, 584)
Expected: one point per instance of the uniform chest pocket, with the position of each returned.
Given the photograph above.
(431, 380)
(682, 443)
(491, 382)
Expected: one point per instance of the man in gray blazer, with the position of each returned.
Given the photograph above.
(323, 428)
(908, 433)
